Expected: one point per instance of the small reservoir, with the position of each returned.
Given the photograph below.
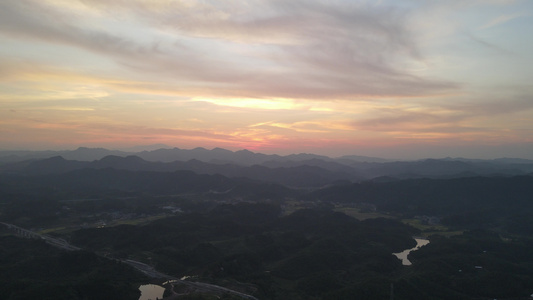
(151, 292)
(403, 255)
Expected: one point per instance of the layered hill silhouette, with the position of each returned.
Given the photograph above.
(297, 170)
(298, 175)
(277, 222)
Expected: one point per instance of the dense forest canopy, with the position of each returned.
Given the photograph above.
(266, 239)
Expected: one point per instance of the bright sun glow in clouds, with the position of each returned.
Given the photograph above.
(399, 79)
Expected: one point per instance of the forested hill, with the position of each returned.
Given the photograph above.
(276, 242)
(298, 175)
(304, 171)
(471, 202)
(98, 183)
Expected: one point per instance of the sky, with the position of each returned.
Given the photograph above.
(396, 79)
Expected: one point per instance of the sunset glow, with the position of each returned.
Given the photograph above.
(396, 79)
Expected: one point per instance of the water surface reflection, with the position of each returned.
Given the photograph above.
(403, 255)
(151, 292)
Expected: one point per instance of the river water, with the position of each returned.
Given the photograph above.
(403, 255)
(151, 292)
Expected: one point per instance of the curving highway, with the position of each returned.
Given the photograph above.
(144, 268)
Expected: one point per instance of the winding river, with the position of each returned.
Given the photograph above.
(403, 255)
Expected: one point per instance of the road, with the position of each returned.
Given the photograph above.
(151, 272)
(56, 242)
(144, 268)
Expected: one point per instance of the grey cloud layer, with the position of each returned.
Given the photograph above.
(452, 117)
(300, 49)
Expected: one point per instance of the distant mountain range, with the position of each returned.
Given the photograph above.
(216, 155)
(296, 170)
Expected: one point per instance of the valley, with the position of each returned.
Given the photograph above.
(268, 240)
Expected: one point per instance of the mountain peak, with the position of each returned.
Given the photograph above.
(244, 151)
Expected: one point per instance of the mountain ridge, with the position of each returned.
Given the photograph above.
(313, 172)
(220, 155)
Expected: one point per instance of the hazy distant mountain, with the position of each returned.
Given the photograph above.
(297, 175)
(436, 168)
(301, 170)
(507, 160)
(216, 155)
(89, 154)
(328, 165)
(18, 156)
(82, 153)
(141, 148)
(85, 183)
(56, 164)
(219, 155)
(348, 158)
(169, 155)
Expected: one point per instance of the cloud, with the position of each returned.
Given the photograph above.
(502, 19)
(488, 45)
(404, 119)
(296, 49)
(38, 21)
(504, 102)
(500, 117)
